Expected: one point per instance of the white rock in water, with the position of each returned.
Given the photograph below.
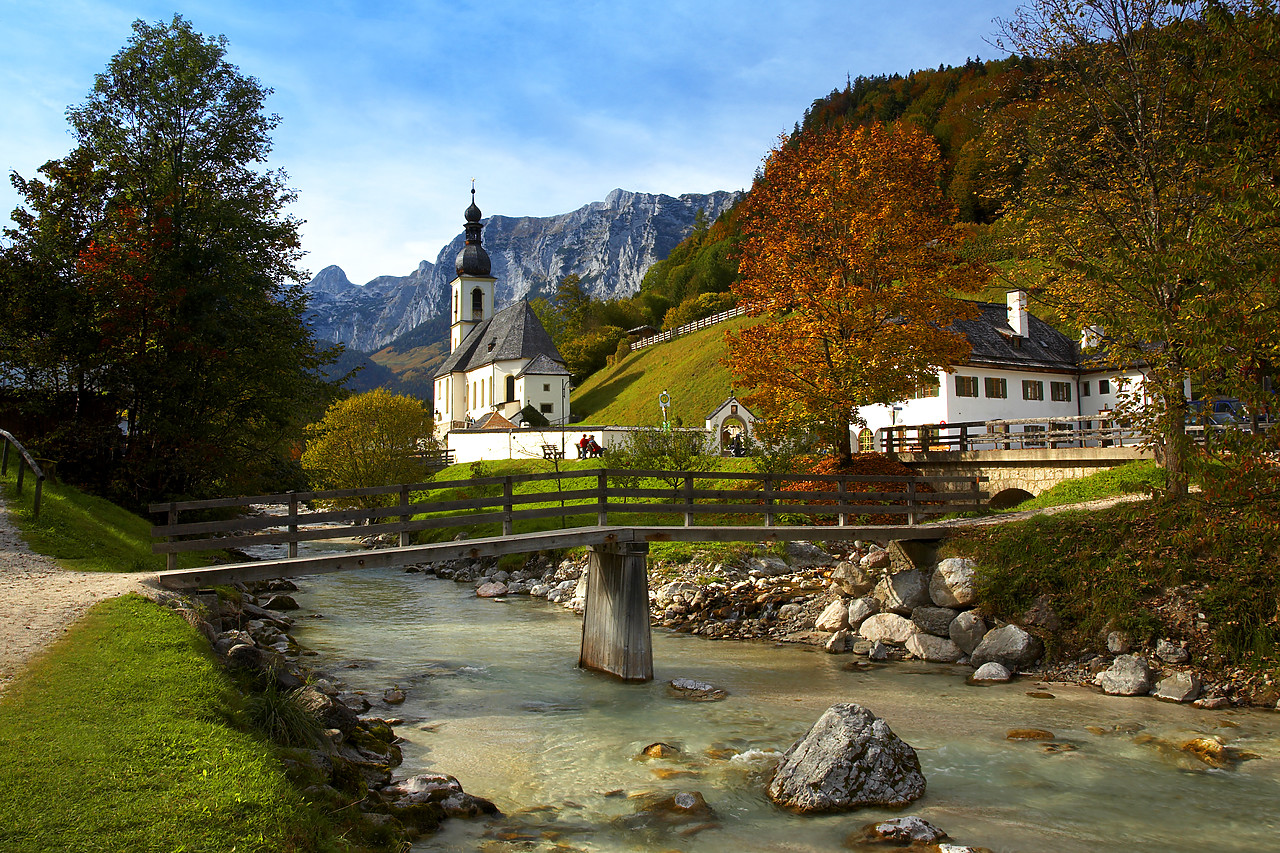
(991, 671)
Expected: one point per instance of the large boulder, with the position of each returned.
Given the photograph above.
(686, 590)
(854, 579)
(933, 649)
(860, 609)
(951, 583)
(967, 631)
(902, 592)
(1129, 675)
(807, 555)
(767, 567)
(934, 620)
(849, 758)
(834, 618)
(331, 713)
(1010, 646)
(1178, 687)
(888, 628)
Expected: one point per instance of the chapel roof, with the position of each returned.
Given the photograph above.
(994, 343)
(513, 333)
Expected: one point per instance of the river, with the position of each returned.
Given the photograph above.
(495, 699)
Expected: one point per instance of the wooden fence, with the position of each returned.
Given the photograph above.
(1024, 434)
(24, 459)
(762, 499)
(704, 323)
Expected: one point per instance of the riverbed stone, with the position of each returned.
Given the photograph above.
(967, 631)
(1171, 652)
(860, 609)
(854, 579)
(1178, 687)
(1118, 643)
(668, 593)
(834, 618)
(849, 759)
(934, 620)
(1128, 675)
(991, 671)
(767, 566)
(888, 628)
(876, 558)
(934, 649)
(951, 583)
(695, 691)
(332, 713)
(1009, 646)
(838, 643)
(879, 651)
(902, 592)
(491, 590)
(807, 555)
(899, 832)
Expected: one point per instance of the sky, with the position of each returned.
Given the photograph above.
(390, 108)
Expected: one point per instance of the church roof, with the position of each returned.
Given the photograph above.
(493, 420)
(473, 260)
(513, 333)
(544, 366)
(995, 344)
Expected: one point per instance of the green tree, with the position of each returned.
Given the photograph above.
(162, 255)
(1149, 204)
(370, 439)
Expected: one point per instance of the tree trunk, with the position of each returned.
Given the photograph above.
(1174, 438)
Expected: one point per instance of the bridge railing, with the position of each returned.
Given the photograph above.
(1021, 434)
(584, 497)
(23, 459)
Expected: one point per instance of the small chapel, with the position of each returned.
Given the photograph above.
(500, 363)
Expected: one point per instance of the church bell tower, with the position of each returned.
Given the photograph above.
(471, 293)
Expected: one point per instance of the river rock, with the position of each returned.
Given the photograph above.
(1178, 687)
(991, 671)
(951, 583)
(967, 631)
(854, 579)
(834, 618)
(280, 602)
(492, 589)
(1118, 643)
(767, 567)
(669, 593)
(902, 592)
(1009, 646)
(393, 696)
(1171, 652)
(887, 628)
(659, 749)
(807, 555)
(695, 691)
(933, 649)
(878, 651)
(934, 620)
(860, 609)
(331, 713)
(899, 832)
(838, 643)
(1129, 675)
(876, 558)
(849, 758)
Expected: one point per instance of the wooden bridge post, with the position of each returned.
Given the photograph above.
(171, 559)
(405, 517)
(615, 624)
(293, 523)
(602, 498)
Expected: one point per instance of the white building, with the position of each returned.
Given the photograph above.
(1019, 367)
(499, 362)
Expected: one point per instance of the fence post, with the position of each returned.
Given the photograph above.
(768, 500)
(964, 437)
(4, 459)
(171, 559)
(404, 514)
(911, 502)
(293, 524)
(507, 491)
(35, 510)
(688, 500)
(841, 487)
(21, 471)
(602, 498)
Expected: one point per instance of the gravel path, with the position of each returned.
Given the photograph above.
(39, 600)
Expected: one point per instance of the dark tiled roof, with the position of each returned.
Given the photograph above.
(513, 333)
(544, 366)
(995, 344)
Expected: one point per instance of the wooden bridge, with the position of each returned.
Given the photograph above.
(611, 513)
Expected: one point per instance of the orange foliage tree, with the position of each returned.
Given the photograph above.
(848, 257)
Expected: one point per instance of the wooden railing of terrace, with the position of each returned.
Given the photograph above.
(24, 459)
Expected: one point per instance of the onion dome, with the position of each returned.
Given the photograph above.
(473, 259)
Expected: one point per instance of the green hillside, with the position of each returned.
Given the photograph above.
(688, 368)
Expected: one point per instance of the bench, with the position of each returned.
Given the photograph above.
(551, 452)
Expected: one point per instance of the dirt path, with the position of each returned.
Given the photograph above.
(39, 600)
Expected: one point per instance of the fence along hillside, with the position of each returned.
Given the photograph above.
(704, 323)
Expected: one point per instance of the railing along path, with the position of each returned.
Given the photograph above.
(23, 458)
(752, 512)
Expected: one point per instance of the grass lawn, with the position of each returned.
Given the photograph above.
(122, 738)
(85, 533)
(1130, 478)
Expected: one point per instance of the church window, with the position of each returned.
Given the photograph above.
(866, 441)
(477, 304)
(511, 388)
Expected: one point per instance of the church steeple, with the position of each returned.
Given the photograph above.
(473, 259)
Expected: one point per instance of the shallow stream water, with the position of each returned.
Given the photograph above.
(495, 699)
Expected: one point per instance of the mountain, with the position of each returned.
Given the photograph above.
(609, 244)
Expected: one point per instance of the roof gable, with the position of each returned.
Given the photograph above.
(512, 334)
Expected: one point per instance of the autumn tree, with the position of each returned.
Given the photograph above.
(847, 258)
(1149, 204)
(153, 280)
(372, 439)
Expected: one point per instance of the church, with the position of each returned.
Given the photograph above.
(500, 362)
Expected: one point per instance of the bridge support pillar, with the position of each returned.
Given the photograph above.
(615, 625)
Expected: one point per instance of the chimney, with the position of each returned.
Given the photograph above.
(1017, 302)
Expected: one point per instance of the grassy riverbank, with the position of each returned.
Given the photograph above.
(126, 736)
(85, 533)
